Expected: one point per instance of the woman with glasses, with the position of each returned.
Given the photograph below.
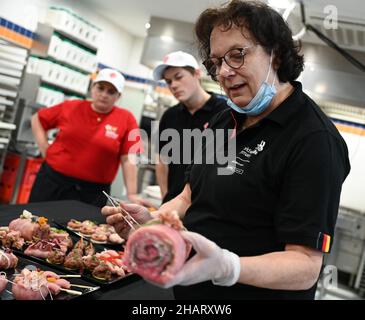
(260, 228)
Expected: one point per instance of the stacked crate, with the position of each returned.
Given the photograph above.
(31, 169)
(8, 177)
(13, 172)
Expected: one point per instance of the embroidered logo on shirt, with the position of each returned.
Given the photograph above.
(245, 157)
(111, 132)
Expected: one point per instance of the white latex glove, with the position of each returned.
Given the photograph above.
(210, 262)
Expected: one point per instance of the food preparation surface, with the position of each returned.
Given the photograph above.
(79, 287)
(64, 210)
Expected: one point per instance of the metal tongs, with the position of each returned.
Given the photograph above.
(126, 216)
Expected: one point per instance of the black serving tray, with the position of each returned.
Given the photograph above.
(85, 274)
(107, 244)
(24, 262)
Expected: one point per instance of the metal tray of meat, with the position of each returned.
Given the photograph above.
(107, 244)
(85, 274)
(77, 284)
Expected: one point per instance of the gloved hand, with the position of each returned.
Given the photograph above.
(114, 217)
(209, 263)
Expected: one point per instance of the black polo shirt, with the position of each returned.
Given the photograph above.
(284, 189)
(179, 118)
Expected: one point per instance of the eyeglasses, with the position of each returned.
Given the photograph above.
(234, 58)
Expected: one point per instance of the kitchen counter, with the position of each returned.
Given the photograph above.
(66, 210)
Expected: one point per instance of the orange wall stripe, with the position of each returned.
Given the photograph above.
(350, 129)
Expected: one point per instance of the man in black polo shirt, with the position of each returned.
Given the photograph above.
(196, 107)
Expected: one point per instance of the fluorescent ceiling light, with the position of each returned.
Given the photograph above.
(320, 88)
(167, 38)
(280, 4)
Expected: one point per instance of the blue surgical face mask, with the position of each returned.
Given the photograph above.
(260, 101)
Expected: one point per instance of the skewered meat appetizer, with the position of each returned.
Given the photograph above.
(55, 284)
(99, 237)
(56, 257)
(11, 238)
(157, 251)
(3, 282)
(81, 244)
(7, 260)
(45, 248)
(102, 272)
(105, 265)
(62, 236)
(85, 247)
(40, 249)
(111, 264)
(55, 279)
(88, 223)
(31, 226)
(115, 238)
(77, 225)
(30, 285)
(36, 285)
(73, 260)
(89, 250)
(74, 224)
(90, 262)
(99, 233)
(110, 232)
(103, 227)
(87, 228)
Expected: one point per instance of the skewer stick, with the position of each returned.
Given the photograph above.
(126, 212)
(81, 286)
(130, 216)
(117, 202)
(59, 275)
(71, 284)
(116, 206)
(77, 293)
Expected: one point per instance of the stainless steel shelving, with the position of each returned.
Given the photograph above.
(13, 60)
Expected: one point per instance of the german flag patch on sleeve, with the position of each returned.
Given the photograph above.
(324, 242)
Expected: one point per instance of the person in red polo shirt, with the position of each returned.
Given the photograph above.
(94, 138)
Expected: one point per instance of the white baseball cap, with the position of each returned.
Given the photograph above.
(175, 59)
(113, 77)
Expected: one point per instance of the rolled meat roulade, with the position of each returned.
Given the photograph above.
(156, 252)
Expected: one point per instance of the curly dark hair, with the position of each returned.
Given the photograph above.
(267, 28)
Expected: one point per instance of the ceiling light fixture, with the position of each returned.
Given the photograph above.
(147, 25)
(167, 38)
(280, 4)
